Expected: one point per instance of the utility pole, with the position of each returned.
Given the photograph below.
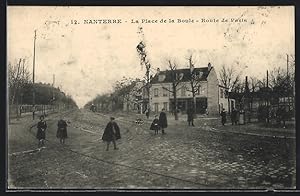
(33, 72)
(53, 83)
(287, 66)
(268, 119)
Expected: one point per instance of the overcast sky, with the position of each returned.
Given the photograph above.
(88, 58)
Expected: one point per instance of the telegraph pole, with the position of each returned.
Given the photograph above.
(268, 119)
(287, 65)
(53, 87)
(33, 72)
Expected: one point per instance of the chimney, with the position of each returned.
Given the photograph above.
(209, 66)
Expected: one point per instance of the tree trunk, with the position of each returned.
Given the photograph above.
(229, 111)
(175, 102)
(194, 97)
(194, 103)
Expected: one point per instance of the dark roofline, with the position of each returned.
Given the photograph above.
(183, 70)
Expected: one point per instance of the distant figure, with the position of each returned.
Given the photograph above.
(234, 116)
(147, 113)
(190, 116)
(223, 115)
(281, 115)
(41, 132)
(163, 123)
(111, 133)
(93, 108)
(155, 125)
(62, 130)
(33, 111)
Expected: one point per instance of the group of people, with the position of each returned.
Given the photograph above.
(160, 123)
(112, 130)
(61, 133)
(233, 116)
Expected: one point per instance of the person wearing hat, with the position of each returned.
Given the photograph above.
(41, 132)
(111, 133)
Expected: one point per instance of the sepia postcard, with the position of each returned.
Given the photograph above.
(151, 98)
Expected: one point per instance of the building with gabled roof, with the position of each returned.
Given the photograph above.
(211, 97)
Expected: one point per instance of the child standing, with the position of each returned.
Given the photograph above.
(41, 133)
(154, 126)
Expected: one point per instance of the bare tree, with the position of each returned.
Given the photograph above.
(18, 76)
(194, 80)
(230, 79)
(127, 90)
(175, 81)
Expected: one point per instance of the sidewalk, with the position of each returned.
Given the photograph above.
(209, 123)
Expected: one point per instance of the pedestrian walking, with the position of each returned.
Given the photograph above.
(234, 117)
(155, 125)
(111, 133)
(41, 131)
(223, 115)
(190, 116)
(62, 130)
(162, 121)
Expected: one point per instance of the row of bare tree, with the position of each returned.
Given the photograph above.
(229, 77)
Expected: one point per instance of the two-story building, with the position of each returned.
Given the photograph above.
(210, 96)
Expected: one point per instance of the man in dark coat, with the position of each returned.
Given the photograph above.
(162, 121)
(223, 115)
(62, 130)
(41, 132)
(190, 116)
(111, 133)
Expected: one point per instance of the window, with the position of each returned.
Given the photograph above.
(199, 90)
(221, 93)
(165, 92)
(166, 106)
(226, 93)
(183, 91)
(156, 92)
(156, 107)
(161, 77)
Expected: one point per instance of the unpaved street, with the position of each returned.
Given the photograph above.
(202, 157)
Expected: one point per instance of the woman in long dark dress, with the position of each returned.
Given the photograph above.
(223, 115)
(111, 133)
(62, 131)
(41, 131)
(162, 121)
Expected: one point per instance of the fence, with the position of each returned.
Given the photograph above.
(16, 111)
